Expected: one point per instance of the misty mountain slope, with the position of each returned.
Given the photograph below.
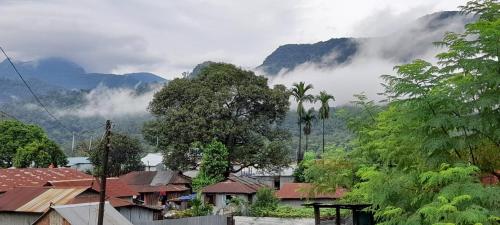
(65, 74)
(401, 46)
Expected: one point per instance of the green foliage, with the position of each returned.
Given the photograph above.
(299, 172)
(22, 145)
(124, 155)
(265, 200)
(285, 211)
(199, 208)
(419, 158)
(299, 92)
(224, 102)
(213, 165)
(40, 154)
(324, 111)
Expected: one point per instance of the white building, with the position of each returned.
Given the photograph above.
(153, 161)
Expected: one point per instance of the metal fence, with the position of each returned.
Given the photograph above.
(201, 220)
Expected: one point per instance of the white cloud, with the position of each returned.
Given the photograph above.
(168, 37)
(111, 103)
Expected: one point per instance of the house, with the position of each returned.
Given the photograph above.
(153, 161)
(81, 214)
(296, 194)
(155, 188)
(114, 187)
(221, 193)
(23, 205)
(80, 163)
(275, 179)
(36, 177)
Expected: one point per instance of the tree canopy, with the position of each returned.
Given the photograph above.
(124, 155)
(24, 145)
(235, 106)
(419, 160)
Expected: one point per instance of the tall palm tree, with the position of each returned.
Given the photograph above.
(308, 118)
(324, 110)
(299, 92)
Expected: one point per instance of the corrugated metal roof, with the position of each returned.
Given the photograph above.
(152, 159)
(15, 198)
(138, 177)
(50, 197)
(305, 191)
(114, 186)
(86, 214)
(36, 177)
(159, 188)
(235, 185)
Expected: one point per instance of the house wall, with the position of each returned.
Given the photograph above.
(269, 180)
(83, 167)
(152, 198)
(136, 214)
(18, 218)
(220, 200)
(52, 218)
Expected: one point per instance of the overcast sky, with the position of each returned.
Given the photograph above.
(169, 37)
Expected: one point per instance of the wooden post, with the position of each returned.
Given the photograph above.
(104, 170)
(337, 215)
(317, 220)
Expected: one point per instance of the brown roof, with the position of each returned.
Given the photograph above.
(37, 199)
(138, 177)
(114, 186)
(159, 188)
(36, 177)
(235, 185)
(305, 191)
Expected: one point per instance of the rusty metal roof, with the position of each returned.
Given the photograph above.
(37, 199)
(114, 186)
(235, 185)
(36, 177)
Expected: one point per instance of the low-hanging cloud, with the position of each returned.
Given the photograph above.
(112, 103)
(376, 56)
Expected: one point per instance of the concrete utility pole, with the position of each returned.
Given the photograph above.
(102, 193)
(73, 143)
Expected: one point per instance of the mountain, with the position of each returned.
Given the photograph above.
(413, 41)
(65, 74)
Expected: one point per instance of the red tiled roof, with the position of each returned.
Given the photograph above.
(159, 188)
(303, 191)
(36, 177)
(235, 185)
(114, 186)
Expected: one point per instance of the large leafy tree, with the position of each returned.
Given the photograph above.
(124, 155)
(324, 111)
(28, 144)
(299, 92)
(419, 161)
(223, 102)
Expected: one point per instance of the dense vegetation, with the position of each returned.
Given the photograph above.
(23, 145)
(224, 102)
(420, 159)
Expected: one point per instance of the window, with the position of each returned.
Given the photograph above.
(210, 199)
(277, 183)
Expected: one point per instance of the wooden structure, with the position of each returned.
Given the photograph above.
(356, 208)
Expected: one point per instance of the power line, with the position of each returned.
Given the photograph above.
(33, 93)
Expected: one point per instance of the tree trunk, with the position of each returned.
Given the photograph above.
(307, 140)
(299, 153)
(323, 135)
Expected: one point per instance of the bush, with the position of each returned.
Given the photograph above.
(265, 201)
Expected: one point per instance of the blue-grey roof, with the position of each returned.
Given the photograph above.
(78, 160)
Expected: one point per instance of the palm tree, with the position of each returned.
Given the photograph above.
(308, 118)
(324, 110)
(299, 92)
